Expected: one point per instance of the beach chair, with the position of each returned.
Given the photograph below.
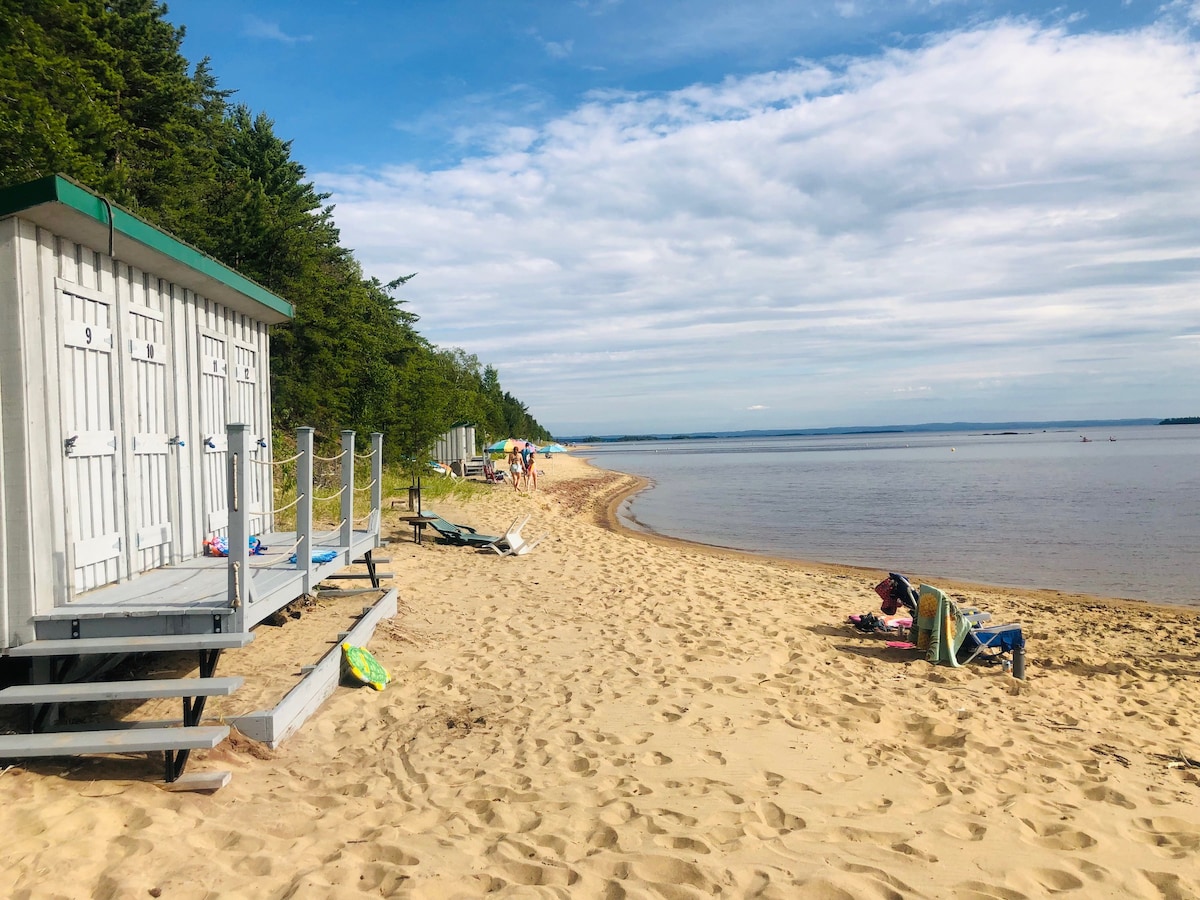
(462, 535)
(512, 543)
(992, 641)
(490, 474)
(954, 637)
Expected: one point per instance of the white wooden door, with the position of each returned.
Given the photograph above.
(214, 415)
(147, 402)
(246, 410)
(92, 469)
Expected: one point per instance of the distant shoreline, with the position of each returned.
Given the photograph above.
(925, 428)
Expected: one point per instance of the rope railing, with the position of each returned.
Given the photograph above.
(365, 487)
(331, 534)
(364, 455)
(280, 509)
(275, 557)
(341, 491)
(277, 462)
(364, 519)
(330, 458)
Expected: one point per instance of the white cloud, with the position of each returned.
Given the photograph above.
(255, 27)
(553, 49)
(985, 216)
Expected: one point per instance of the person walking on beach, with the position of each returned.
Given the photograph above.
(515, 468)
(528, 457)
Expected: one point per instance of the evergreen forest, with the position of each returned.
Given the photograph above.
(99, 91)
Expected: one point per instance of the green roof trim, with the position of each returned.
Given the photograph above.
(60, 189)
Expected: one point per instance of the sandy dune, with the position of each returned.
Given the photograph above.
(612, 716)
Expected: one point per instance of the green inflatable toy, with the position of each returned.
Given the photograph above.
(365, 667)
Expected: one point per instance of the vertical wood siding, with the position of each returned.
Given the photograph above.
(88, 374)
(132, 374)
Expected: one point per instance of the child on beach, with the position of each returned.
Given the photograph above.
(515, 468)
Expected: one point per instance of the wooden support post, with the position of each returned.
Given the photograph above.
(347, 488)
(304, 519)
(377, 483)
(238, 463)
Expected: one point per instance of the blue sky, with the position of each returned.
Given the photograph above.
(678, 216)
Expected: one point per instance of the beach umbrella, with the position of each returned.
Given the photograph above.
(507, 445)
(516, 444)
(554, 448)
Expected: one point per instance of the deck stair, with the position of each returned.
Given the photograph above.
(53, 660)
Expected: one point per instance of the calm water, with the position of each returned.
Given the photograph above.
(1114, 518)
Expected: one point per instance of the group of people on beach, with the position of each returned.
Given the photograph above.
(521, 469)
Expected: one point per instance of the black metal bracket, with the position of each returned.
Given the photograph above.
(193, 712)
(369, 560)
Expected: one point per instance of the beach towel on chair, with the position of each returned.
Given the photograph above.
(941, 627)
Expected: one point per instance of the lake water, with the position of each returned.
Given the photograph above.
(1115, 518)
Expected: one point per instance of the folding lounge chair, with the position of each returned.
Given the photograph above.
(463, 535)
(512, 543)
(946, 632)
(993, 641)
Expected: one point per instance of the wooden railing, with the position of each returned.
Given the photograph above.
(240, 583)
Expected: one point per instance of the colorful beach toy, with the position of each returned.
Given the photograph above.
(365, 667)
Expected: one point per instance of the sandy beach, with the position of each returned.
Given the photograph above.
(619, 716)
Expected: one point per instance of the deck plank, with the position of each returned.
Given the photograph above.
(100, 691)
(72, 743)
(133, 644)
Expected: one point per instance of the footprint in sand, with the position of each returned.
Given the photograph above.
(580, 765)
(535, 874)
(1173, 838)
(1103, 794)
(981, 890)
(673, 873)
(777, 817)
(1059, 837)
(654, 758)
(683, 843)
(1056, 881)
(966, 831)
(1166, 884)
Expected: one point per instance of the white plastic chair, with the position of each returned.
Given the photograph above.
(512, 543)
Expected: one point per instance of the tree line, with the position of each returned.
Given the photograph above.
(100, 91)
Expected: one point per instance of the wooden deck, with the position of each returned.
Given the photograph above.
(183, 599)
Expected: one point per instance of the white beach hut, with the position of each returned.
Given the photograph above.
(456, 449)
(135, 424)
(123, 355)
